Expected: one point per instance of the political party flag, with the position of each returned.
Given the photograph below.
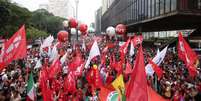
(153, 96)
(119, 86)
(31, 90)
(93, 53)
(137, 87)
(186, 54)
(15, 48)
(157, 60)
(108, 95)
(55, 68)
(47, 42)
(123, 49)
(156, 68)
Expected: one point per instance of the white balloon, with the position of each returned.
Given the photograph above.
(65, 23)
(73, 31)
(110, 31)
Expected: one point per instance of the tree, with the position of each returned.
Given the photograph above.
(33, 33)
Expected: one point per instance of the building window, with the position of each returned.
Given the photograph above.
(157, 8)
(149, 8)
(146, 9)
(153, 8)
(167, 6)
(199, 4)
(143, 8)
(173, 5)
(162, 4)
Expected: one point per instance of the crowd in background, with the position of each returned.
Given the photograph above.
(175, 84)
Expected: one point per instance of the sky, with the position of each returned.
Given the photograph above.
(86, 8)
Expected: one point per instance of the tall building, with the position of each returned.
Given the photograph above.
(62, 8)
(98, 15)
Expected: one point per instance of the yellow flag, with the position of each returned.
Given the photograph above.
(118, 84)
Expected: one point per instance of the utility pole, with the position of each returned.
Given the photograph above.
(76, 4)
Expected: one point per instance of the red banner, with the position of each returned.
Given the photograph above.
(15, 48)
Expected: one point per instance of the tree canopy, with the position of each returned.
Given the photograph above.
(38, 23)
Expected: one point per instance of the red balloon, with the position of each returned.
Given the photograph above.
(83, 28)
(73, 23)
(120, 29)
(62, 36)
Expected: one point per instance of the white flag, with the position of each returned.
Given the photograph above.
(93, 53)
(54, 53)
(38, 64)
(48, 41)
(158, 51)
(63, 58)
(157, 60)
(131, 53)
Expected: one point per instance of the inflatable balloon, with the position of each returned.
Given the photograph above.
(73, 31)
(62, 36)
(83, 28)
(73, 23)
(110, 31)
(120, 29)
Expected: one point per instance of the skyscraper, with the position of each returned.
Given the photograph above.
(62, 8)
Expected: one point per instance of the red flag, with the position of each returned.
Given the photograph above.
(70, 83)
(55, 68)
(44, 85)
(76, 62)
(123, 49)
(137, 87)
(153, 96)
(94, 77)
(128, 68)
(137, 40)
(158, 70)
(15, 48)
(186, 54)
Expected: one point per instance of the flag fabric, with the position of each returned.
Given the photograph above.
(55, 68)
(157, 60)
(156, 68)
(15, 48)
(93, 53)
(47, 42)
(131, 53)
(70, 83)
(31, 90)
(47, 93)
(137, 40)
(186, 54)
(137, 87)
(123, 49)
(63, 58)
(108, 95)
(94, 77)
(153, 96)
(128, 68)
(38, 64)
(54, 53)
(76, 62)
(119, 86)
(158, 51)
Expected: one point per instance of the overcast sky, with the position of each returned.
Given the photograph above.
(86, 9)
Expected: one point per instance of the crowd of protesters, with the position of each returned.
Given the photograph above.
(175, 84)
